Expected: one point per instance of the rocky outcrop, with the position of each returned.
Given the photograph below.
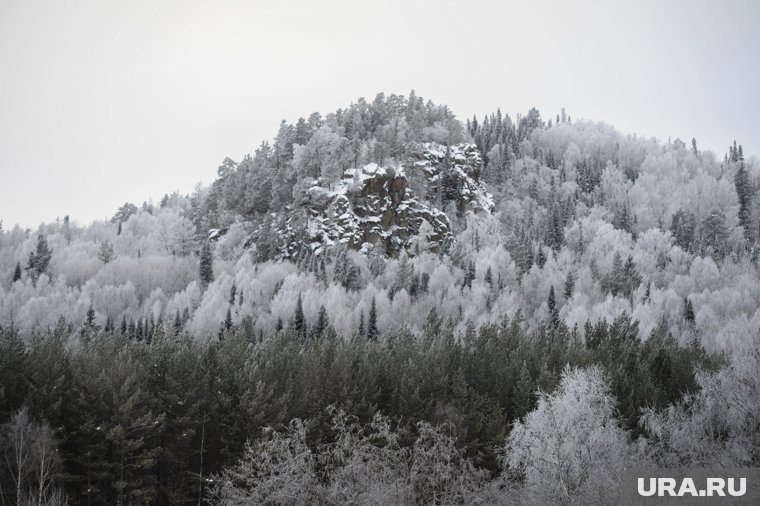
(373, 207)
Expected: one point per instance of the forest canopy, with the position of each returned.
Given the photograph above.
(386, 301)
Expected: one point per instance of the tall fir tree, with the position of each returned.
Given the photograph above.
(744, 192)
(553, 309)
(206, 265)
(299, 320)
(322, 323)
(372, 332)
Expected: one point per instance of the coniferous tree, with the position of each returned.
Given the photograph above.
(106, 253)
(372, 332)
(40, 258)
(744, 192)
(17, 272)
(228, 320)
(233, 293)
(569, 285)
(322, 323)
(553, 309)
(688, 311)
(177, 322)
(299, 320)
(541, 257)
(90, 321)
(206, 265)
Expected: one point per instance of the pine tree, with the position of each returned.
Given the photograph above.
(206, 265)
(361, 324)
(372, 332)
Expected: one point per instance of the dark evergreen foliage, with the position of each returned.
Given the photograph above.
(151, 421)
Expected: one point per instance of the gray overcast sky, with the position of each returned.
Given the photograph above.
(103, 102)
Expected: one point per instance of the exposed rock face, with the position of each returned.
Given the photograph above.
(373, 207)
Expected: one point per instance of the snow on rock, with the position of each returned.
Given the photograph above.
(373, 207)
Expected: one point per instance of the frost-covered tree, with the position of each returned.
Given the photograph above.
(571, 448)
(106, 253)
(717, 425)
(123, 213)
(39, 259)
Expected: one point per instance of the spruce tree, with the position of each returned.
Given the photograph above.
(553, 310)
(569, 285)
(744, 192)
(177, 322)
(322, 323)
(688, 311)
(299, 321)
(206, 265)
(90, 322)
(228, 320)
(17, 272)
(372, 332)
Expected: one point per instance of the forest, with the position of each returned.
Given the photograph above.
(390, 305)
